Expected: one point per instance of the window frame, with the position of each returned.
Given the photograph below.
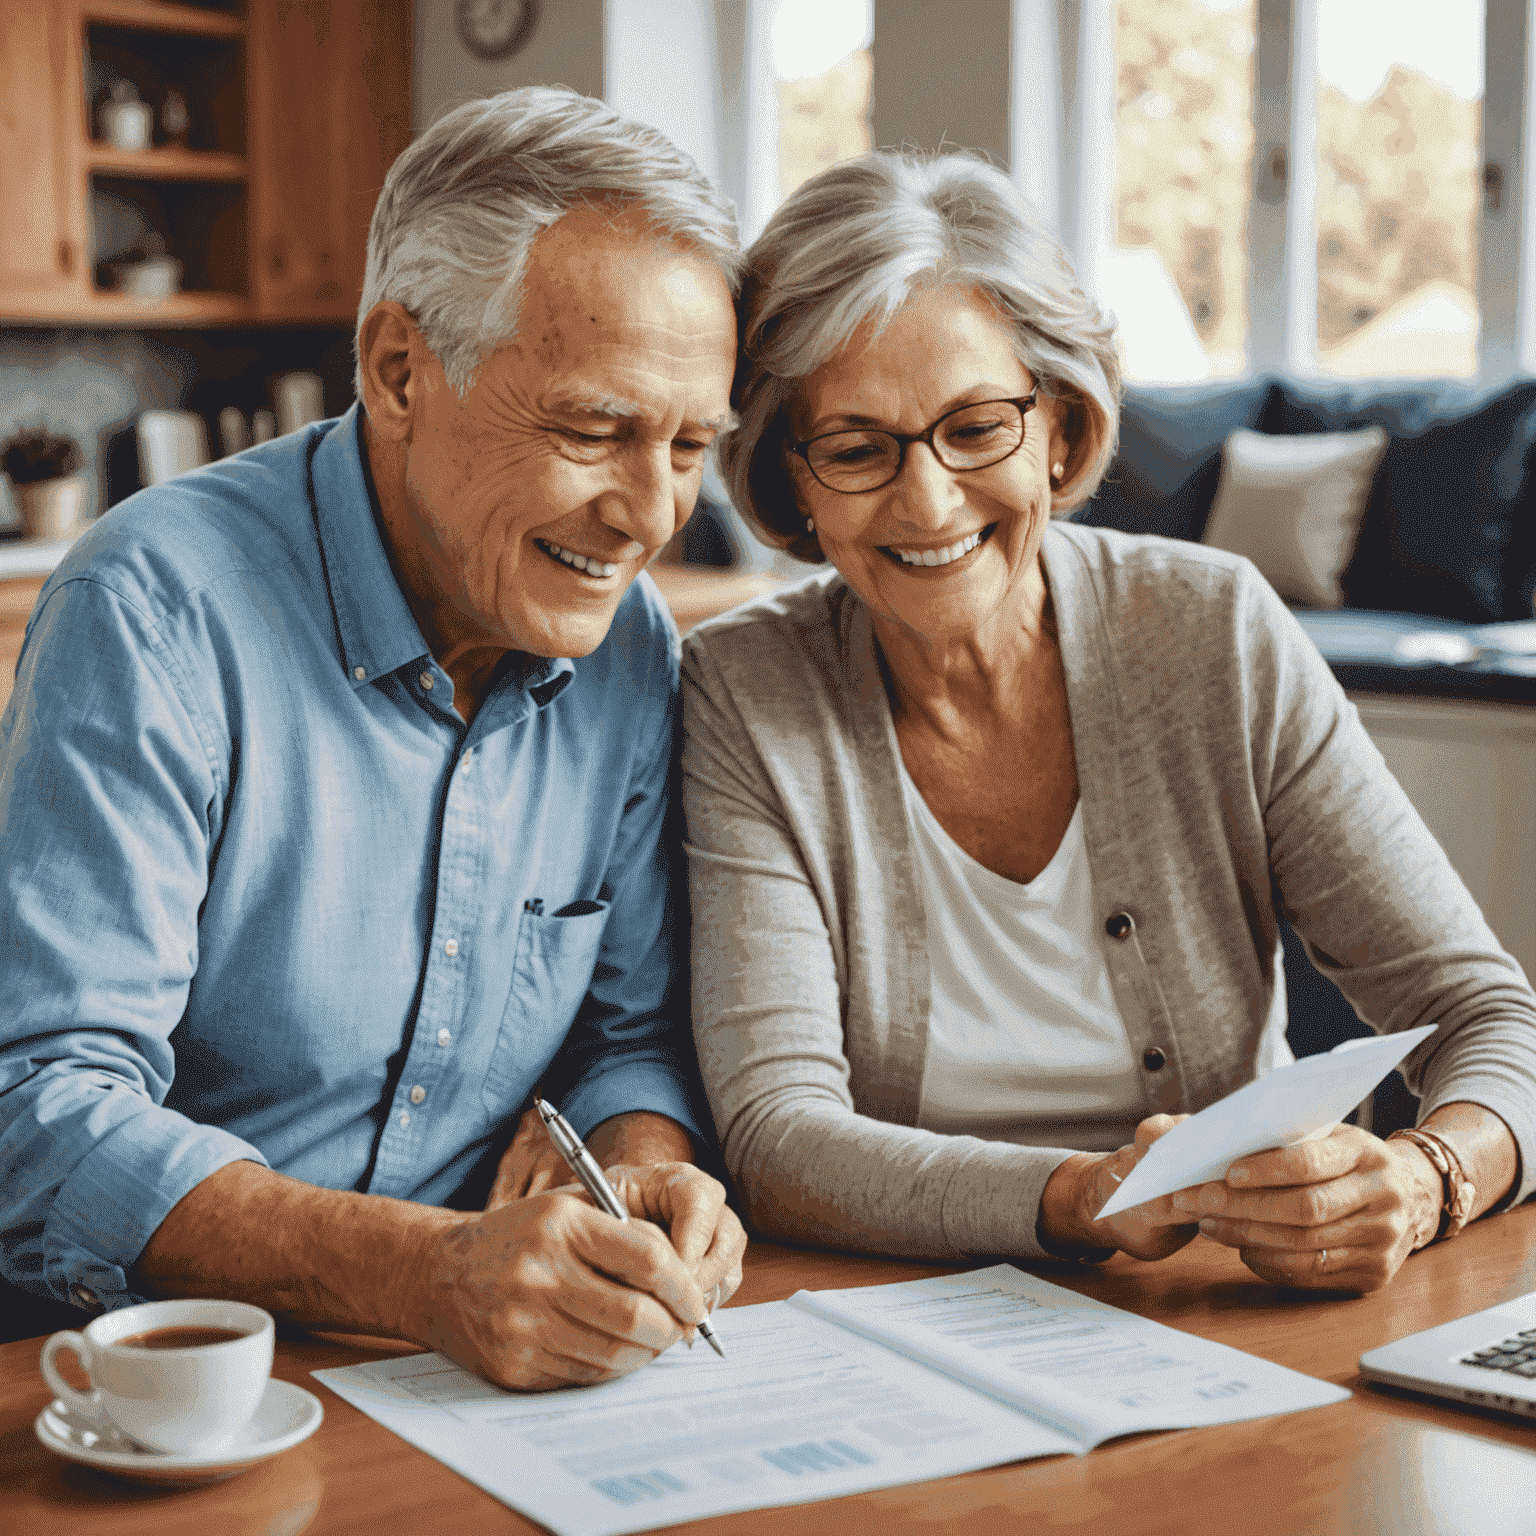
(1282, 208)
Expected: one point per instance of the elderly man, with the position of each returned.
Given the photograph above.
(320, 850)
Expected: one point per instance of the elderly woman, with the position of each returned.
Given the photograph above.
(986, 821)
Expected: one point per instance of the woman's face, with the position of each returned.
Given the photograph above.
(947, 347)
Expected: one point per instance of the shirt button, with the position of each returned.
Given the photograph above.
(405, 1117)
(1153, 1059)
(444, 1036)
(464, 761)
(85, 1297)
(359, 673)
(418, 1093)
(426, 681)
(451, 948)
(1119, 925)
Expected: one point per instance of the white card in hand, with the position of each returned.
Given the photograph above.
(1294, 1102)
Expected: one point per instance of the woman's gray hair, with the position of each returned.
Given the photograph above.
(461, 207)
(849, 248)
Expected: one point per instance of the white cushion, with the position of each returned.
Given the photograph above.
(1293, 506)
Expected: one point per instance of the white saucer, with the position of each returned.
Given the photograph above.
(286, 1415)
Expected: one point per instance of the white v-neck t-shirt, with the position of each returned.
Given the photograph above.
(1025, 1040)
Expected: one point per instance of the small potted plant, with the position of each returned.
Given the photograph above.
(41, 465)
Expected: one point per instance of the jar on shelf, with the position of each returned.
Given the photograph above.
(126, 121)
(175, 120)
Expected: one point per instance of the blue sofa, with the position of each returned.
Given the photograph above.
(1447, 542)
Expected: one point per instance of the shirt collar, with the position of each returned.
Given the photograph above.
(373, 621)
(374, 624)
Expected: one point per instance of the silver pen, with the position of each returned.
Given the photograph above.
(584, 1166)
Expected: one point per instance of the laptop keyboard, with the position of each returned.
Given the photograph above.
(1516, 1356)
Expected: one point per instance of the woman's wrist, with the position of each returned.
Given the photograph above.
(1065, 1226)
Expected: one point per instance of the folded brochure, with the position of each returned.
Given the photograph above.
(1306, 1098)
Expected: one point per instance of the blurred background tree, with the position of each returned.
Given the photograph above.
(1397, 194)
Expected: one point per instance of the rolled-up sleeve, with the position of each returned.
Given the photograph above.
(1374, 897)
(631, 1047)
(110, 788)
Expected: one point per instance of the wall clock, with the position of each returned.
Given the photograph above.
(495, 29)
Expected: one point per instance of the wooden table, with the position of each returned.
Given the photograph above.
(1382, 1464)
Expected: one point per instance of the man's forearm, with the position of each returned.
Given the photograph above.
(322, 1258)
(640, 1137)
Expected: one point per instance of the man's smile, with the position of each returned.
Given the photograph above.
(586, 565)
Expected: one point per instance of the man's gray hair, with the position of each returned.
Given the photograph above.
(849, 248)
(461, 207)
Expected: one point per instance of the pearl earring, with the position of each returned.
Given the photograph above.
(1057, 469)
(810, 525)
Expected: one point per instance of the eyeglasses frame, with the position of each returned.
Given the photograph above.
(1025, 403)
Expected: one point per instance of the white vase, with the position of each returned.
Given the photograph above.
(53, 509)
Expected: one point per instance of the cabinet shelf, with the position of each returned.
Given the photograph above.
(297, 111)
(165, 163)
(164, 16)
(114, 310)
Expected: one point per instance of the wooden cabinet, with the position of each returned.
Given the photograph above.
(297, 108)
(322, 74)
(42, 247)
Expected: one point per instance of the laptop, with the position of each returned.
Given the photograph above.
(1487, 1359)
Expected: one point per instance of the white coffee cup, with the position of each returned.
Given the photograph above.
(195, 1398)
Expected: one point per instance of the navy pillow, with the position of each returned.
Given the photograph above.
(1448, 496)
(1163, 480)
(1520, 562)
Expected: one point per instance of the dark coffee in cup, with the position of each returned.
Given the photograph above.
(179, 1338)
(174, 1376)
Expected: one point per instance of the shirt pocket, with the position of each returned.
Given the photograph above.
(556, 955)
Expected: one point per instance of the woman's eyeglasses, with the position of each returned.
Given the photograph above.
(970, 437)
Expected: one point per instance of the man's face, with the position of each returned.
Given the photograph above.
(578, 451)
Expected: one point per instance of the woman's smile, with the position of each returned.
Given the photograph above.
(934, 560)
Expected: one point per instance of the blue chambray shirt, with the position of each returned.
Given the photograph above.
(263, 895)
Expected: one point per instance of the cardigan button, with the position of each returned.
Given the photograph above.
(1153, 1059)
(1119, 925)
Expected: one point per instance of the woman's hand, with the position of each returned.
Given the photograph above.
(1337, 1213)
(1078, 1189)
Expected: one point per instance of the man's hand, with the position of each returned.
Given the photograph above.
(531, 1164)
(691, 1206)
(1078, 1189)
(548, 1291)
(1338, 1213)
(646, 1158)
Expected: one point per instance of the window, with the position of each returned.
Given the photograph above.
(1313, 184)
(1399, 160)
(1177, 273)
(822, 66)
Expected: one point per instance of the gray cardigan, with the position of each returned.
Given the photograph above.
(1217, 760)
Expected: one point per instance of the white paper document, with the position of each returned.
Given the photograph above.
(1089, 1369)
(1304, 1099)
(800, 1410)
(830, 1393)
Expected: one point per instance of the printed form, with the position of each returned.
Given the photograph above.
(1082, 1365)
(801, 1410)
(829, 1393)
